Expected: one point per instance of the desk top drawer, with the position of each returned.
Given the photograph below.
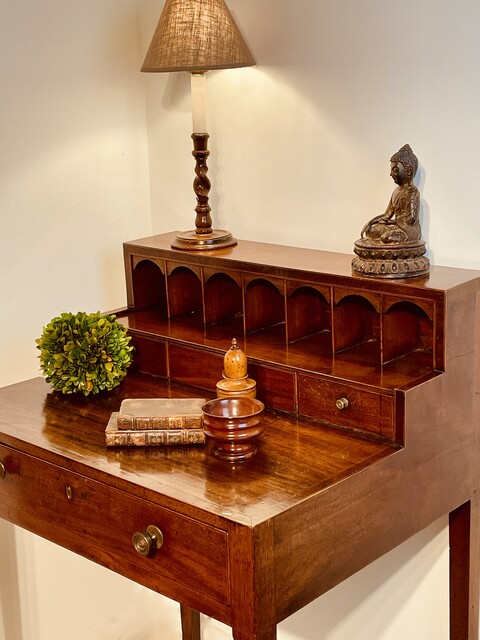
(98, 521)
(346, 405)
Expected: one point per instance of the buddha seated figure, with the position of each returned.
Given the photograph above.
(390, 244)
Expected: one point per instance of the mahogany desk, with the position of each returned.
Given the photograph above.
(251, 544)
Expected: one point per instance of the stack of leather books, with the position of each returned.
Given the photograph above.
(156, 422)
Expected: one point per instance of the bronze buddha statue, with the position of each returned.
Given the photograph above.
(391, 244)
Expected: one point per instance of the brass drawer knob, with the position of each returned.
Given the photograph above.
(342, 404)
(3, 471)
(145, 542)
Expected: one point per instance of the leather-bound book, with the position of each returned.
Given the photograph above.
(115, 437)
(160, 413)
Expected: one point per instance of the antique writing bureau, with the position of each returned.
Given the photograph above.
(371, 434)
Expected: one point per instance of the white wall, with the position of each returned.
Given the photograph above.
(300, 155)
(73, 187)
(301, 143)
(73, 164)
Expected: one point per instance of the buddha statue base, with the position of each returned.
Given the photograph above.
(378, 260)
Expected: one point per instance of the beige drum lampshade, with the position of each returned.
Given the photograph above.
(196, 35)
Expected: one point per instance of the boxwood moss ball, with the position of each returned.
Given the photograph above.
(85, 353)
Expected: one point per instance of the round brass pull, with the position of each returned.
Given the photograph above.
(144, 542)
(3, 471)
(342, 404)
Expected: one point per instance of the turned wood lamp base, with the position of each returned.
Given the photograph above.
(193, 241)
(203, 237)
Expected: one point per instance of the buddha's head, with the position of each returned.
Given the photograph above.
(404, 165)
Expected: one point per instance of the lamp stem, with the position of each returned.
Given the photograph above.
(198, 84)
(203, 237)
(201, 184)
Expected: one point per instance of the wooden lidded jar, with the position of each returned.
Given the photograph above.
(235, 380)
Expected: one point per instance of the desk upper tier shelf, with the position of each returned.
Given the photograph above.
(313, 332)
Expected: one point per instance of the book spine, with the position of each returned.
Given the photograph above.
(128, 422)
(165, 437)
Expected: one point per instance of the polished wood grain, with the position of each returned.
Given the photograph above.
(297, 458)
(294, 262)
(98, 520)
(324, 496)
(190, 623)
(387, 335)
(313, 353)
(356, 408)
(223, 298)
(52, 441)
(149, 288)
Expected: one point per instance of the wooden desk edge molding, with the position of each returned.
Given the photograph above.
(371, 434)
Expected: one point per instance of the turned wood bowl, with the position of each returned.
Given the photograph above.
(233, 424)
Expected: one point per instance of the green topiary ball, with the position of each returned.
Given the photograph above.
(86, 353)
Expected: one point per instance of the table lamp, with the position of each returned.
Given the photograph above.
(198, 36)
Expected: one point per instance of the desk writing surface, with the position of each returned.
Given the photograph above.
(297, 458)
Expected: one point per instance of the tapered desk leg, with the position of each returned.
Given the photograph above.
(190, 623)
(464, 568)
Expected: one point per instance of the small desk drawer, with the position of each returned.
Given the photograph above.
(98, 521)
(346, 405)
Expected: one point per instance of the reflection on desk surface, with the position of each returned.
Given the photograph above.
(297, 458)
